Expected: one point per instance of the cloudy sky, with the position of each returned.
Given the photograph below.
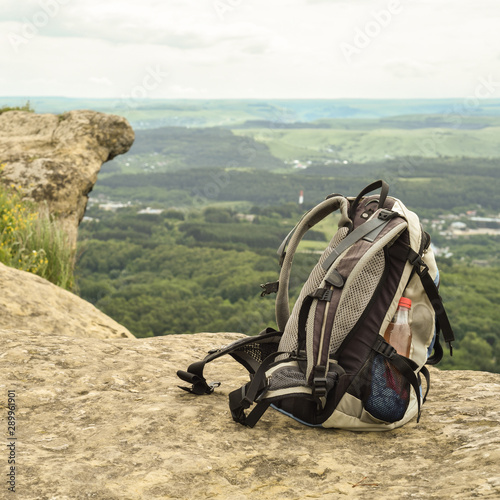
(249, 48)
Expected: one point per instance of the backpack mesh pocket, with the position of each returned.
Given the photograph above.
(287, 377)
(260, 351)
(384, 391)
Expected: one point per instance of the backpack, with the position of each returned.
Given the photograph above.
(329, 365)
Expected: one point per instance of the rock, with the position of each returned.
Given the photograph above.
(57, 158)
(28, 302)
(104, 419)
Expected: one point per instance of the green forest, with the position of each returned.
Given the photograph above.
(176, 273)
(204, 210)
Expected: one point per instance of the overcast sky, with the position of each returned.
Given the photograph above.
(249, 48)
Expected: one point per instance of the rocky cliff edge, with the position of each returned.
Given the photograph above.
(104, 419)
(56, 158)
(28, 302)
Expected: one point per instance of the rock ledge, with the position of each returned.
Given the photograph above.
(56, 158)
(104, 419)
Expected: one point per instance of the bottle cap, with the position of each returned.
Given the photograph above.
(405, 302)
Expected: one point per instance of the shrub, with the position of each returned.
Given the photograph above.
(26, 107)
(33, 241)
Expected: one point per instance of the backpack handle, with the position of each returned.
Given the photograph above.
(309, 220)
(368, 189)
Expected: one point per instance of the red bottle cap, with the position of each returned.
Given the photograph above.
(404, 302)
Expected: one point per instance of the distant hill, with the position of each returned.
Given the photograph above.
(367, 142)
(204, 147)
(152, 113)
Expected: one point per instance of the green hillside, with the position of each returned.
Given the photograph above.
(377, 144)
(202, 147)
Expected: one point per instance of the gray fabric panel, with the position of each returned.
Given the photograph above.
(289, 340)
(357, 293)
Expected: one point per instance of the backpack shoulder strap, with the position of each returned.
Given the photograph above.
(310, 219)
(292, 241)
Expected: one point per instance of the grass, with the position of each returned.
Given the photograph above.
(31, 240)
(26, 107)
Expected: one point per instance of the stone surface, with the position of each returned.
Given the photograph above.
(57, 158)
(28, 302)
(104, 419)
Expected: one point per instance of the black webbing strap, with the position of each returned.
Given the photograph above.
(437, 303)
(244, 397)
(194, 373)
(368, 189)
(425, 372)
(239, 402)
(359, 233)
(437, 355)
(199, 384)
(405, 366)
(325, 294)
(302, 324)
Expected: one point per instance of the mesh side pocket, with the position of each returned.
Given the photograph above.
(260, 351)
(385, 392)
(287, 377)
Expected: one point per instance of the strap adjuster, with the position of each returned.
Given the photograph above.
(385, 214)
(420, 266)
(270, 287)
(384, 348)
(199, 386)
(324, 294)
(319, 382)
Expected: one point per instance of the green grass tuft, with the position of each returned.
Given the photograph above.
(32, 240)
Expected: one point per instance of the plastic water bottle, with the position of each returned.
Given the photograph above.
(398, 333)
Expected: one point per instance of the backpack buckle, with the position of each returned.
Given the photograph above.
(319, 382)
(199, 386)
(385, 214)
(270, 287)
(420, 266)
(324, 294)
(384, 348)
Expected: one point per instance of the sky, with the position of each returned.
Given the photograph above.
(250, 48)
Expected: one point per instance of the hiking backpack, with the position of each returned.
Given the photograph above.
(329, 365)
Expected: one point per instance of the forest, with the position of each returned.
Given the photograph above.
(175, 273)
(204, 210)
